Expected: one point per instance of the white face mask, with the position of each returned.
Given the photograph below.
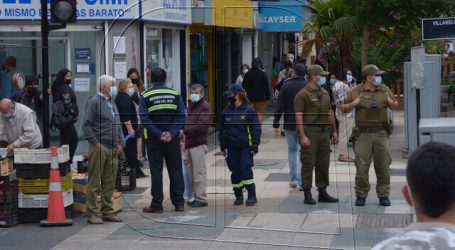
(245, 71)
(377, 80)
(130, 90)
(195, 97)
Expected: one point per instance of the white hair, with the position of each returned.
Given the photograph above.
(104, 80)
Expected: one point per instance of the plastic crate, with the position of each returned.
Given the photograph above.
(126, 181)
(8, 216)
(41, 186)
(39, 171)
(40, 156)
(35, 215)
(41, 200)
(8, 192)
(6, 167)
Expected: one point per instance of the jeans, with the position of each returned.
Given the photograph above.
(188, 193)
(295, 166)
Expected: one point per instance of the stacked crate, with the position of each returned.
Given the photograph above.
(8, 194)
(33, 170)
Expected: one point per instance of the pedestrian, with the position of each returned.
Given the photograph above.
(196, 131)
(18, 125)
(187, 191)
(138, 84)
(285, 107)
(163, 116)
(346, 120)
(284, 75)
(240, 136)
(7, 74)
(371, 100)
(104, 133)
(244, 69)
(315, 124)
(128, 117)
(62, 91)
(31, 97)
(430, 191)
(256, 85)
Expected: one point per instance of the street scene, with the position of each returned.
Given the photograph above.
(227, 124)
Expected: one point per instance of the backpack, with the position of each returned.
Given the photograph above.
(61, 116)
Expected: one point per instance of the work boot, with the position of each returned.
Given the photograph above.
(308, 197)
(360, 201)
(384, 201)
(325, 197)
(238, 197)
(251, 198)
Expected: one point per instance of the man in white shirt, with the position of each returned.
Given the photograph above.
(431, 191)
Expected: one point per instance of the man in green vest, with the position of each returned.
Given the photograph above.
(371, 100)
(315, 123)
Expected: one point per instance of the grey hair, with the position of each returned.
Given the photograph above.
(104, 80)
(197, 86)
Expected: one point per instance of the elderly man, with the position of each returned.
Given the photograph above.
(18, 124)
(102, 128)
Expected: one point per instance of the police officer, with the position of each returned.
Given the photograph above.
(371, 100)
(163, 115)
(314, 118)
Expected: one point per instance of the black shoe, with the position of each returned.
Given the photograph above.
(308, 197)
(325, 197)
(283, 133)
(140, 174)
(238, 200)
(197, 203)
(180, 208)
(360, 201)
(384, 201)
(251, 200)
(152, 210)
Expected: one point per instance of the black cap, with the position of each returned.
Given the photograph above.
(299, 69)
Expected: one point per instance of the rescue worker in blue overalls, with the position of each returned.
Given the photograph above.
(163, 116)
(239, 136)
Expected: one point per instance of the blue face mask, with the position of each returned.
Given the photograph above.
(333, 81)
(322, 80)
(113, 91)
(8, 116)
(130, 90)
(349, 78)
(195, 97)
(377, 80)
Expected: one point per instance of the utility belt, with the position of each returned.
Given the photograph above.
(387, 126)
(370, 129)
(318, 127)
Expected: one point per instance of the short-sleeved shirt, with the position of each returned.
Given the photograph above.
(340, 92)
(314, 104)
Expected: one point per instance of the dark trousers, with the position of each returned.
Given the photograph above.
(240, 163)
(68, 136)
(131, 155)
(156, 151)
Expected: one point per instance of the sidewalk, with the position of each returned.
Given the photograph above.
(279, 221)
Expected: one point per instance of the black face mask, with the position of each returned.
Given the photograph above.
(231, 100)
(68, 82)
(32, 90)
(134, 81)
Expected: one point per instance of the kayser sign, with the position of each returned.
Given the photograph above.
(29, 10)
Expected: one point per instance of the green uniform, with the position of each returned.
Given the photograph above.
(371, 139)
(315, 106)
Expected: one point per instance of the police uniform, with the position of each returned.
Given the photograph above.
(162, 110)
(315, 106)
(371, 137)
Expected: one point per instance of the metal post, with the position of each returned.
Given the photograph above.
(45, 65)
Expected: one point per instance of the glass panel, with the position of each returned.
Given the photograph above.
(199, 66)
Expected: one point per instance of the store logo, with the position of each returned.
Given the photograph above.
(107, 2)
(18, 1)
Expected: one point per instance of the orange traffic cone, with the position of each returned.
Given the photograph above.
(55, 209)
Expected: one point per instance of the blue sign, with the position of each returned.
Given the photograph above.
(282, 16)
(82, 54)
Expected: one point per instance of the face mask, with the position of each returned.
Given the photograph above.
(333, 81)
(8, 116)
(113, 91)
(130, 90)
(135, 81)
(245, 71)
(377, 80)
(68, 82)
(322, 81)
(231, 100)
(32, 90)
(195, 97)
(349, 78)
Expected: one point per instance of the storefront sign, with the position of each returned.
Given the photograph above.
(170, 11)
(232, 13)
(82, 53)
(283, 16)
(86, 9)
(438, 28)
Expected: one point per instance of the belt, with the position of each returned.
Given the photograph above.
(371, 130)
(317, 128)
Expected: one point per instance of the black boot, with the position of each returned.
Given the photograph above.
(325, 197)
(308, 197)
(251, 197)
(238, 197)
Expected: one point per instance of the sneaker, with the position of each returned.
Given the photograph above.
(198, 203)
(111, 218)
(152, 210)
(293, 184)
(180, 208)
(384, 201)
(360, 201)
(94, 219)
